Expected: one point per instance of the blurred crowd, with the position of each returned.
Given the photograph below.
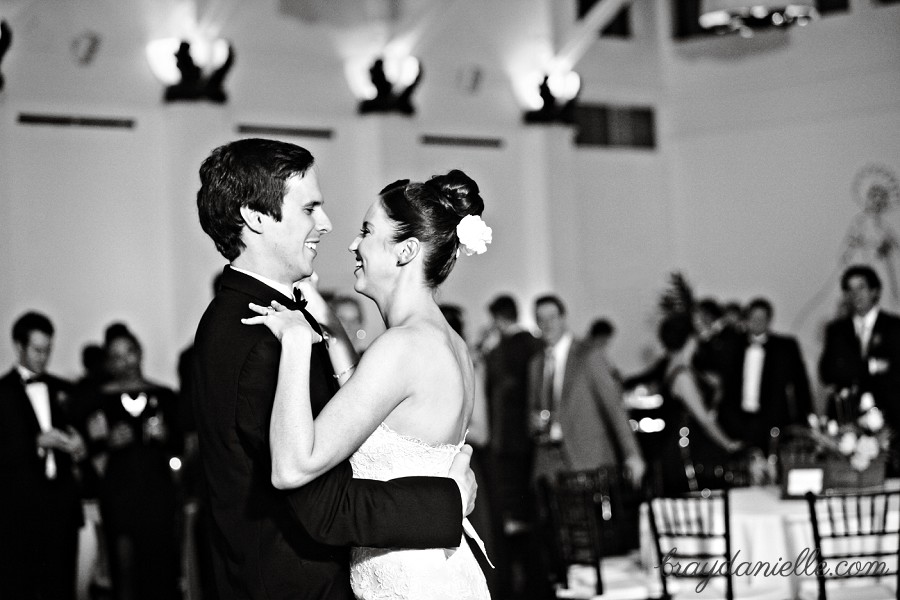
(711, 411)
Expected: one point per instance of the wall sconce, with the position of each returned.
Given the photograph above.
(192, 70)
(745, 16)
(393, 82)
(558, 91)
(5, 41)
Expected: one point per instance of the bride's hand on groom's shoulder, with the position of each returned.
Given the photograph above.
(282, 321)
(315, 303)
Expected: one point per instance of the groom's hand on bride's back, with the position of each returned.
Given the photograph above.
(462, 474)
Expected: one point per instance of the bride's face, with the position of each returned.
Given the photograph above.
(376, 261)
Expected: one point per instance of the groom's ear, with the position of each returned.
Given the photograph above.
(407, 250)
(252, 219)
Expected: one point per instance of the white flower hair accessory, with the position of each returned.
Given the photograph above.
(474, 235)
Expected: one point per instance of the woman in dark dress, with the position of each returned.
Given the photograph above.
(701, 457)
(135, 442)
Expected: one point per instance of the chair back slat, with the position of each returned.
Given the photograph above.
(855, 529)
(695, 527)
(575, 503)
(857, 502)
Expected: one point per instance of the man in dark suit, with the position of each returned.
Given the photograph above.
(261, 204)
(765, 384)
(507, 349)
(862, 351)
(506, 380)
(40, 507)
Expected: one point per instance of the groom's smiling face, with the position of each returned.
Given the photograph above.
(293, 241)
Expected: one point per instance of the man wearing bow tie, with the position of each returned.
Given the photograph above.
(765, 385)
(40, 507)
(261, 204)
(862, 351)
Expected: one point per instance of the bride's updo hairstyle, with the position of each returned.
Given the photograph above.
(430, 212)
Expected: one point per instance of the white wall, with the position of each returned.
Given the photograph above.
(748, 190)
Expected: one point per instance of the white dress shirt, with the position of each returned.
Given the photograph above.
(863, 326)
(39, 396)
(280, 287)
(753, 366)
(560, 352)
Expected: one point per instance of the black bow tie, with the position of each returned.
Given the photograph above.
(299, 300)
(34, 379)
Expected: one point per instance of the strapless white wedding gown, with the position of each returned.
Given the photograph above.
(435, 574)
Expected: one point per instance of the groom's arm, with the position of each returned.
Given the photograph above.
(335, 509)
(410, 512)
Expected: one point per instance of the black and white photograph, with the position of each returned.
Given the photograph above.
(450, 299)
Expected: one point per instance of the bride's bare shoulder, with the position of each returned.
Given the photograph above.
(410, 343)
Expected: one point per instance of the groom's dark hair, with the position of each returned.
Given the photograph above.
(250, 173)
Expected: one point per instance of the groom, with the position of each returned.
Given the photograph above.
(260, 202)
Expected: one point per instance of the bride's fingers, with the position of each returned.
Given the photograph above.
(278, 306)
(260, 320)
(263, 310)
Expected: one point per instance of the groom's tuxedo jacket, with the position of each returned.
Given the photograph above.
(289, 544)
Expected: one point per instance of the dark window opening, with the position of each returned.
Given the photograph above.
(620, 126)
(619, 27)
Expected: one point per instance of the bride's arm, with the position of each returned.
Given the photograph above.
(303, 448)
(685, 387)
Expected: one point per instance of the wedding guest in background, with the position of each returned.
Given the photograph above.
(41, 455)
(579, 419)
(685, 404)
(510, 450)
(579, 422)
(600, 334)
(766, 386)
(708, 321)
(717, 344)
(133, 426)
(861, 355)
(733, 315)
(94, 374)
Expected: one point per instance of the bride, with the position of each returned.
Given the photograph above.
(405, 409)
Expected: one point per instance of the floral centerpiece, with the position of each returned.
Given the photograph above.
(854, 453)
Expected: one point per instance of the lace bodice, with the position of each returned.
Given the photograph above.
(379, 574)
(388, 455)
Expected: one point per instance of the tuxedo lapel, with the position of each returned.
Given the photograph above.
(23, 402)
(322, 385)
(57, 404)
(262, 294)
(851, 340)
(877, 336)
